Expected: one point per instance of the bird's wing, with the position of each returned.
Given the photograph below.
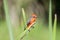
(29, 20)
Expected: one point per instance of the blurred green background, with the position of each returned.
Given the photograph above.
(39, 7)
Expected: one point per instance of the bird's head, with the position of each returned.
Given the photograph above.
(34, 15)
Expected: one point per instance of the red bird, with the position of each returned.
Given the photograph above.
(31, 21)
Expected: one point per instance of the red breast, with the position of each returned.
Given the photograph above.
(33, 19)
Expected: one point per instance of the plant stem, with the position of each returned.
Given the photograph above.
(21, 36)
(24, 17)
(8, 19)
(50, 19)
(54, 29)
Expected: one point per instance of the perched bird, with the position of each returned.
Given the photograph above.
(31, 21)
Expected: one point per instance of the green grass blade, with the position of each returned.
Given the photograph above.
(21, 36)
(54, 27)
(24, 21)
(8, 19)
(24, 17)
(50, 20)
